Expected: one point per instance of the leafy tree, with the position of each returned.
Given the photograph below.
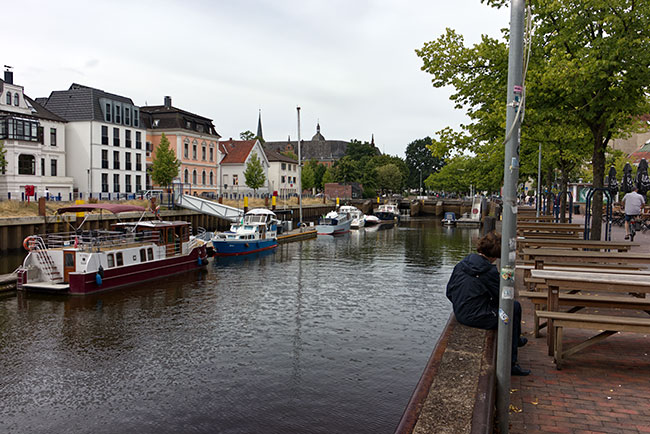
(319, 172)
(254, 173)
(308, 177)
(420, 161)
(347, 170)
(247, 135)
(357, 150)
(165, 165)
(453, 177)
(329, 176)
(390, 178)
(290, 154)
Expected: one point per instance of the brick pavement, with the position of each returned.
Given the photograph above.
(602, 389)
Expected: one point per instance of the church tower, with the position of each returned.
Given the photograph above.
(259, 127)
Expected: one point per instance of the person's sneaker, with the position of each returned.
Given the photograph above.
(519, 371)
(522, 341)
(627, 237)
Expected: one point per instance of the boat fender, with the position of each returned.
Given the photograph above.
(26, 243)
(199, 261)
(246, 245)
(98, 279)
(100, 271)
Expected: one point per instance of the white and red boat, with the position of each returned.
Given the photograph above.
(83, 262)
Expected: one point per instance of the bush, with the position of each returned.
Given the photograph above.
(369, 193)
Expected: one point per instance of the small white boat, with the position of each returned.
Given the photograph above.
(358, 218)
(334, 223)
(387, 212)
(371, 220)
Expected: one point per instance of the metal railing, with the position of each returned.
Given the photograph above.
(96, 240)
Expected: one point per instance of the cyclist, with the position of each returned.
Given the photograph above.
(633, 205)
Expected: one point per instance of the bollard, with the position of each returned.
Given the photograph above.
(245, 204)
(273, 202)
(41, 206)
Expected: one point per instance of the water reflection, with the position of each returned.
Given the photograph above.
(326, 335)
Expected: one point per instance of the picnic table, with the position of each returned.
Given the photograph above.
(584, 256)
(618, 283)
(620, 246)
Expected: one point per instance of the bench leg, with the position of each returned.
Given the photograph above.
(536, 321)
(558, 347)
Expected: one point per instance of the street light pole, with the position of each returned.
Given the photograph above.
(514, 107)
(299, 170)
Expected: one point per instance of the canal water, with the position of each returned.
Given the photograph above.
(328, 335)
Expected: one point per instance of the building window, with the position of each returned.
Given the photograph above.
(19, 129)
(127, 161)
(194, 176)
(52, 136)
(203, 178)
(118, 114)
(8, 98)
(26, 164)
(127, 138)
(211, 153)
(284, 166)
(283, 179)
(138, 162)
(194, 151)
(187, 177)
(116, 160)
(235, 180)
(116, 137)
(211, 178)
(53, 168)
(108, 112)
(127, 183)
(42, 166)
(104, 135)
(203, 153)
(16, 99)
(136, 117)
(138, 183)
(105, 182)
(127, 116)
(104, 159)
(186, 150)
(116, 183)
(138, 140)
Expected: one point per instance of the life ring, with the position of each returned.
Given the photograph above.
(26, 243)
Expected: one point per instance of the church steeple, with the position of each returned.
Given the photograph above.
(318, 135)
(259, 127)
(372, 140)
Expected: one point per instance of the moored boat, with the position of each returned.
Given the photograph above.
(335, 222)
(358, 217)
(387, 212)
(449, 219)
(83, 262)
(257, 232)
(371, 220)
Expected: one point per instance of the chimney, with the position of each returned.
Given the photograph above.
(9, 76)
(168, 102)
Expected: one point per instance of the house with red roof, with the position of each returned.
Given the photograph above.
(234, 156)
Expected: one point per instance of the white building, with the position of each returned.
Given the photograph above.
(105, 141)
(35, 144)
(283, 173)
(234, 156)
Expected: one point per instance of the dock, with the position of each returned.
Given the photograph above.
(297, 235)
(8, 282)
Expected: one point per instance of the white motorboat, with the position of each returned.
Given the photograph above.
(257, 232)
(334, 223)
(388, 212)
(358, 218)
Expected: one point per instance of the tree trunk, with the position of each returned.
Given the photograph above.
(598, 167)
(563, 193)
(549, 192)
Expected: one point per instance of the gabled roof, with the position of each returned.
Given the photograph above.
(236, 151)
(38, 110)
(272, 155)
(643, 152)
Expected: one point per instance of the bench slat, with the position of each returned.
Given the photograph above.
(587, 318)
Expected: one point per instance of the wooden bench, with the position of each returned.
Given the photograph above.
(609, 324)
(537, 243)
(580, 301)
(531, 283)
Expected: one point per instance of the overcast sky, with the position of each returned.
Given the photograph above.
(349, 64)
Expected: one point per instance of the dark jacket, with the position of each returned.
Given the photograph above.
(473, 289)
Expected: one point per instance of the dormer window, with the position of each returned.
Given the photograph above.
(156, 122)
(118, 114)
(16, 99)
(108, 112)
(136, 117)
(8, 98)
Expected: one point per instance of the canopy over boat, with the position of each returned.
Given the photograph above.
(115, 208)
(259, 211)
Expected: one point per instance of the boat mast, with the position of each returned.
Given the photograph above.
(299, 183)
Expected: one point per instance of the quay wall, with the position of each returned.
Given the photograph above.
(14, 230)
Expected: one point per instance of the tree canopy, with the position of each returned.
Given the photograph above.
(247, 135)
(254, 173)
(165, 165)
(421, 161)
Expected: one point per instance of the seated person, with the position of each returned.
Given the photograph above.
(473, 289)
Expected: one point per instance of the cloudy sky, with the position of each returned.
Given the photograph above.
(349, 64)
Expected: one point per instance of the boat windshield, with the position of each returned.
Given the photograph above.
(255, 218)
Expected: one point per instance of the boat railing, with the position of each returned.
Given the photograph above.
(96, 240)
